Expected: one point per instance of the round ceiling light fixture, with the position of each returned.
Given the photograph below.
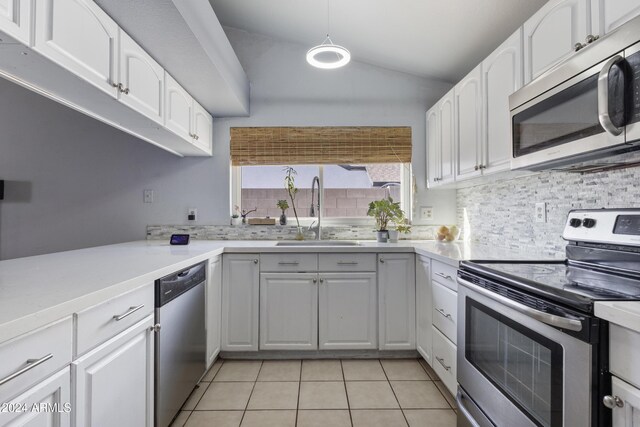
(328, 49)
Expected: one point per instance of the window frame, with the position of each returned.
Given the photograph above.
(406, 197)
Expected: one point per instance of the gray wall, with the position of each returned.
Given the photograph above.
(74, 182)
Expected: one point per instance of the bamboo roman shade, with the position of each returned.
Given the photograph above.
(319, 145)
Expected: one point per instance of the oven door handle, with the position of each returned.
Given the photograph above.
(603, 96)
(465, 412)
(549, 319)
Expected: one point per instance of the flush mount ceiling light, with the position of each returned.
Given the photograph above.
(328, 55)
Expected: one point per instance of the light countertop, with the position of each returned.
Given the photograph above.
(38, 290)
(623, 313)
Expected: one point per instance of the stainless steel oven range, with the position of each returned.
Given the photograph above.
(530, 350)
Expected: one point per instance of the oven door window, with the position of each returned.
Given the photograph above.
(567, 116)
(524, 365)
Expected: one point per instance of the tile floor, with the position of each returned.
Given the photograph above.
(319, 393)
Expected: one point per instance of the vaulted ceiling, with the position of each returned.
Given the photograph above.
(441, 39)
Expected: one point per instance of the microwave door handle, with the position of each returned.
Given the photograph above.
(541, 316)
(603, 96)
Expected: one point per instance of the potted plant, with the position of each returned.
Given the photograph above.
(401, 225)
(289, 185)
(384, 211)
(283, 205)
(235, 218)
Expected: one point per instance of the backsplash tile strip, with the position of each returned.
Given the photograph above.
(501, 213)
(278, 232)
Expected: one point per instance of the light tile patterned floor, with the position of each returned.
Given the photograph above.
(319, 393)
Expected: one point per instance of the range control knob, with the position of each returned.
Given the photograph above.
(575, 222)
(589, 222)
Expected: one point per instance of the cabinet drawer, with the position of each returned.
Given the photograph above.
(97, 324)
(444, 274)
(623, 343)
(444, 360)
(30, 358)
(445, 310)
(347, 262)
(291, 262)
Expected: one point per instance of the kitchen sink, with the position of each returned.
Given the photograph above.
(319, 243)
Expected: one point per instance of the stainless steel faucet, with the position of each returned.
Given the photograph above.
(315, 225)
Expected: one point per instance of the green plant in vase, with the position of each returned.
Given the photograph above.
(384, 211)
(283, 205)
(290, 186)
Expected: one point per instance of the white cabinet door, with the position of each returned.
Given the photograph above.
(468, 117)
(607, 15)
(424, 307)
(552, 32)
(501, 76)
(433, 147)
(80, 37)
(348, 311)
(214, 315)
(447, 148)
(53, 392)
(202, 127)
(629, 414)
(288, 311)
(397, 301)
(114, 382)
(142, 79)
(240, 302)
(15, 19)
(178, 110)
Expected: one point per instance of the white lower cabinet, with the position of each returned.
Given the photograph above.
(213, 305)
(348, 311)
(240, 302)
(397, 306)
(288, 311)
(445, 310)
(444, 360)
(424, 307)
(627, 413)
(46, 404)
(114, 382)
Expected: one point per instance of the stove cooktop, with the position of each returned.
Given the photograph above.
(574, 285)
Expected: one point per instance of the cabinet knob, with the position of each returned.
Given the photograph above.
(196, 137)
(477, 167)
(155, 328)
(125, 91)
(591, 38)
(578, 46)
(315, 280)
(321, 280)
(381, 260)
(482, 167)
(255, 261)
(612, 402)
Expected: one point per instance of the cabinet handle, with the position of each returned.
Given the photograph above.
(321, 280)
(591, 38)
(196, 137)
(441, 361)
(155, 328)
(477, 167)
(482, 167)
(444, 276)
(31, 363)
(381, 260)
(288, 263)
(347, 262)
(612, 402)
(314, 280)
(128, 312)
(444, 313)
(125, 91)
(255, 261)
(578, 46)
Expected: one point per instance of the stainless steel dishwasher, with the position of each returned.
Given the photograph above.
(181, 340)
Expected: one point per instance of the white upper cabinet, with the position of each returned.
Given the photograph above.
(551, 34)
(468, 108)
(501, 76)
(433, 143)
(610, 14)
(446, 114)
(79, 36)
(178, 108)
(202, 127)
(141, 80)
(15, 19)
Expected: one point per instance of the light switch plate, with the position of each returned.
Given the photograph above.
(541, 212)
(426, 213)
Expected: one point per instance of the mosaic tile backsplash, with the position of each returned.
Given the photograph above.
(278, 232)
(501, 214)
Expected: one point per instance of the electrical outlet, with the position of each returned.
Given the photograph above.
(426, 213)
(192, 214)
(541, 212)
(148, 196)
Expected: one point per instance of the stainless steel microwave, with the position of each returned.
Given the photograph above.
(583, 109)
